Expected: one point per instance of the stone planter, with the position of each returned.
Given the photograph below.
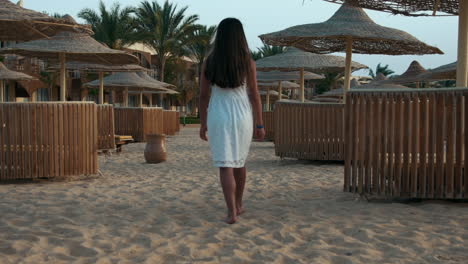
(155, 151)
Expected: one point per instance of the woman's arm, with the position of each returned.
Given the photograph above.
(204, 101)
(256, 102)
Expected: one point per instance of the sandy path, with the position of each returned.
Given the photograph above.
(172, 212)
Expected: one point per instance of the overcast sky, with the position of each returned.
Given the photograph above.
(264, 16)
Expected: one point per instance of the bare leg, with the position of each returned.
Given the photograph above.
(240, 174)
(229, 189)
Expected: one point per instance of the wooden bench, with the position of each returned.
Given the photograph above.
(122, 140)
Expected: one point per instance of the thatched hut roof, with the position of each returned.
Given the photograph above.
(349, 22)
(21, 24)
(411, 75)
(7, 74)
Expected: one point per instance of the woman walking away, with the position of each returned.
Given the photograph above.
(229, 75)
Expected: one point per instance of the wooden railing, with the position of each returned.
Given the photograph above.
(407, 143)
(269, 123)
(44, 140)
(106, 130)
(138, 121)
(171, 122)
(312, 131)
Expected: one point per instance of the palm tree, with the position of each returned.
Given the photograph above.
(114, 27)
(267, 50)
(256, 55)
(167, 29)
(201, 44)
(385, 70)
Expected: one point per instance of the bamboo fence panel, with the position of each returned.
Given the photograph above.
(268, 121)
(46, 140)
(407, 143)
(106, 129)
(171, 122)
(312, 131)
(138, 121)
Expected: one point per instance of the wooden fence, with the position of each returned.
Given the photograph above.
(44, 140)
(312, 131)
(268, 120)
(178, 121)
(106, 130)
(138, 121)
(171, 122)
(407, 143)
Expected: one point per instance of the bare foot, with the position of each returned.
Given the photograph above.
(230, 219)
(240, 210)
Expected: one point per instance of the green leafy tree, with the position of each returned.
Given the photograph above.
(256, 55)
(329, 83)
(385, 70)
(167, 29)
(115, 26)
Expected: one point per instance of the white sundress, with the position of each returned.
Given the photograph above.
(230, 126)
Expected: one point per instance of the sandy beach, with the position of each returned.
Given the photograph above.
(172, 213)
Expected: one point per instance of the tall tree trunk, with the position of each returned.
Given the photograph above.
(162, 68)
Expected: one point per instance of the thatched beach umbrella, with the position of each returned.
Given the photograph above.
(294, 59)
(100, 69)
(127, 81)
(411, 75)
(279, 76)
(418, 8)
(74, 47)
(350, 29)
(6, 75)
(21, 24)
(444, 72)
(276, 85)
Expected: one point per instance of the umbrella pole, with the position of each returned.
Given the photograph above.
(280, 90)
(150, 99)
(462, 66)
(268, 99)
(101, 88)
(302, 85)
(63, 79)
(349, 56)
(140, 99)
(2, 91)
(125, 102)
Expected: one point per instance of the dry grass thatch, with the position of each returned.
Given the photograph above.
(21, 24)
(445, 72)
(408, 7)
(77, 47)
(7, 74)
(93, 67)
(294, 59)
(128, 80)
(275, 85)
(349, 22)
(286, 76)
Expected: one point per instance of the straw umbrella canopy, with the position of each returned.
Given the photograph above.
(276, 85)
(350, 29)
(100, 69)
(411, 75)
(6, 74)
(145, 76)
(21, 24)
(417, 8)
(444, 72)
(279, 76)
(73, 46)
(294, 59)
(126, 81)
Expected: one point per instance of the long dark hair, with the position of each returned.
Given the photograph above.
(229, 62)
